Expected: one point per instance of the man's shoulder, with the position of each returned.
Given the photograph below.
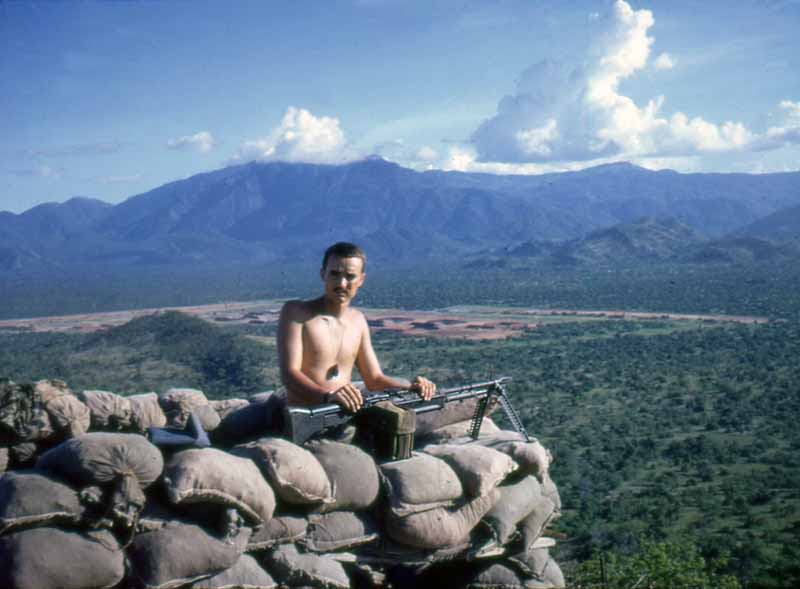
(298, 310)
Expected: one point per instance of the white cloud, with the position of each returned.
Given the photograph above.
(427, 154)
(558, 115)
(664, 62)
(300, 137)
(787, 132)
(202, 142)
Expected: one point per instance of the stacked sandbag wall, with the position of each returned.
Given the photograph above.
(83, 491)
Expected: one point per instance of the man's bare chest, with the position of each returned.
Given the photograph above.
(330, 337)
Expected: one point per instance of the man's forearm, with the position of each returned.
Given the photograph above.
(302, 388)
(382, 382)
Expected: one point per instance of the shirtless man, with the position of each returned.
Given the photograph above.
(319, 341)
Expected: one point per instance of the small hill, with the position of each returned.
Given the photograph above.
(153, 352)
(645, 240)
(781, 225)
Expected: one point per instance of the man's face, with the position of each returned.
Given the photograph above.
(342, 277)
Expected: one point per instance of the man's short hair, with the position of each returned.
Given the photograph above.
(344, 249)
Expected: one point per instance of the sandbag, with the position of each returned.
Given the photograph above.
(51, 389)
(550, 491)
(539, 569)
(515, 503)
(497, 576)
(69, 415)
(440, 527)
(146, 412)
(282, 529)
(23, 455)
(224, 407)
(339, 530)
(49, 558)
(245, 574)
(419, 483)
(313, 570)
(209, 475)
(179, 554)
(179, 403)
(294, 473)
(479, 468)
(110, 411)
(352, 472)
(453, 412)
(259, 419)
(208, 417)
(460, 429)
(534, 524)
(5, 458)
(28, 499)
(531, 456)
(99, 458)
(182, 399)
(23, 417)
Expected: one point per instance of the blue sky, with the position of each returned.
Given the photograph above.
(111, 99)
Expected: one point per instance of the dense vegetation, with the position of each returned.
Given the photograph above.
(673, 440)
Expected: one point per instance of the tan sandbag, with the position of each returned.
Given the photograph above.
(440, 527)
(208, 417)
(550, 491)
(245, 574)
(531, 456)
(339, 530)
(479, 468)
(49, 558)
(224, 407)
(110, 411)
(419, 483)
(179, 554)
(184, 400)
(539, 569)
(282, 529)
(535, 523)
(5, 458)
(297, 570)
(209, 475)
(497, 576)
(515, 503)
(52, 389)
(461, 429)
(352, 472)
(294, 473)
(98, 458)
(146, 412)
(31, 499)
(69, 415)
(452, 412)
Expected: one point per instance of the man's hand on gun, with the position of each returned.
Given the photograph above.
(424, 387)
(348, 396)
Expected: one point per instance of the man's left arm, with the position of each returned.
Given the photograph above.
(376, 380)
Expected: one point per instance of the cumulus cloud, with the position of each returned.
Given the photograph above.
(557, 115)
(664, 62)
(787, 132)
(300, 137)
(202, 142)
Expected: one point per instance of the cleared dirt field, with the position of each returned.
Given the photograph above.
(471, 322)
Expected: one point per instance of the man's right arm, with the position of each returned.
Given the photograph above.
(290, 356)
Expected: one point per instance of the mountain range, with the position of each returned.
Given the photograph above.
(267, 211)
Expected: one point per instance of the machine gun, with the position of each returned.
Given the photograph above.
(301, 423)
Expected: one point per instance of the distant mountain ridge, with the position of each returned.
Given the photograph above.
(262, 211)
